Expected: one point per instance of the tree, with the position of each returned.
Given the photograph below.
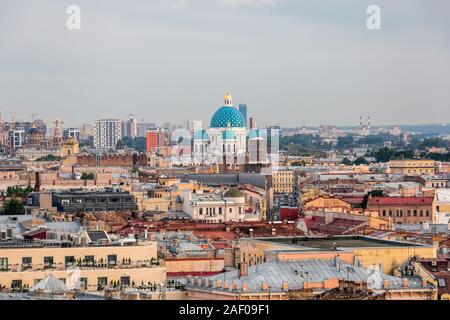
(13, 207)
(49, 157)
(359, 161)
(346, 161)
(373, 193)
(17, 191)
(345, 142)
(87, 176)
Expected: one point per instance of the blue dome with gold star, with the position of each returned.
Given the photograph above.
(228, 116)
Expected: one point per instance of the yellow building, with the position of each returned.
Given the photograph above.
(70, 147)
(283, 180)
(413, 167)
(25, 265)
(369, 252)
(327, 203)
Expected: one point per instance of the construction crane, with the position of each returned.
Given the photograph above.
(11, 114)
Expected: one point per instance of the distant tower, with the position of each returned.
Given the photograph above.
(360, 122)
(252, 123)
(368, 123)
(243, 111)
(58, 134)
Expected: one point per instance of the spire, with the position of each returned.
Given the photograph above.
(228, 99)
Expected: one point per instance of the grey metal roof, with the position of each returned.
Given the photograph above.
(297, 272)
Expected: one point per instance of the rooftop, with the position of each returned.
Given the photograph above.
(338, 242)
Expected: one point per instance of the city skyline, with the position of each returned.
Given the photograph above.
(172, 60)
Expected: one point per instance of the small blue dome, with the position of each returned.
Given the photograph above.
(228, 135)
(201, 135)
(256, 134)
(227, 115)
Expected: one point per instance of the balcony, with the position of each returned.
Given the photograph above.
(96, 265)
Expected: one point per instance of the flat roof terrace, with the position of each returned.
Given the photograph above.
(338, 242)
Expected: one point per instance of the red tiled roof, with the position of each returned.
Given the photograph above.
(400, 201)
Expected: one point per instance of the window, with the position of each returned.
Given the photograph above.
(200, 211)
(48, 262)
(427, 213)
(421, 213)
(441, 282)
(415, 213)
(112, 260)
(69, 260)
(125, 281)
(89, 259)
(384, 213)
(102, 281)
(83, 283)
(220, 210)
(26, 262)
(3, 263)
(16, 284)
(409, 213)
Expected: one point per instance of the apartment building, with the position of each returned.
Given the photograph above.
(24, 264)
(401, 210)
(107, 133)
(413, 167)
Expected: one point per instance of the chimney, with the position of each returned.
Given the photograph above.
(337, 261)
(218, 284)
(243, 269)
(386, 284)
(225, 285)
(405, 283)
(264, 286)
(424, 282)
(37, 185)
(328, 217)
(285, 286)
(234, 285)
(244, 286)
(274, 232)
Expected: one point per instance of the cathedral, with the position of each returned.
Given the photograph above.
(228, 140)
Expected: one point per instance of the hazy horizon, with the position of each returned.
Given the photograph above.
(295, 63)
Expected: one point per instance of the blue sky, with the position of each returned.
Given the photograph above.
(293, 62)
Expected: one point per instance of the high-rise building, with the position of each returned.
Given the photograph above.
(71, 133)
(143, 127)
(155, 138)
(131, 127)
(243, 110)
(107, 133)
(16, 139)
(86, 131)
(193, 125)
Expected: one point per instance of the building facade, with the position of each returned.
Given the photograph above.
(413, 167)
(107, 133)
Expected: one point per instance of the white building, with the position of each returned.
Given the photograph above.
(227, 134)
(214, 207)
(16, 138)
(107, 132)
(131, 128)
(193, 125)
